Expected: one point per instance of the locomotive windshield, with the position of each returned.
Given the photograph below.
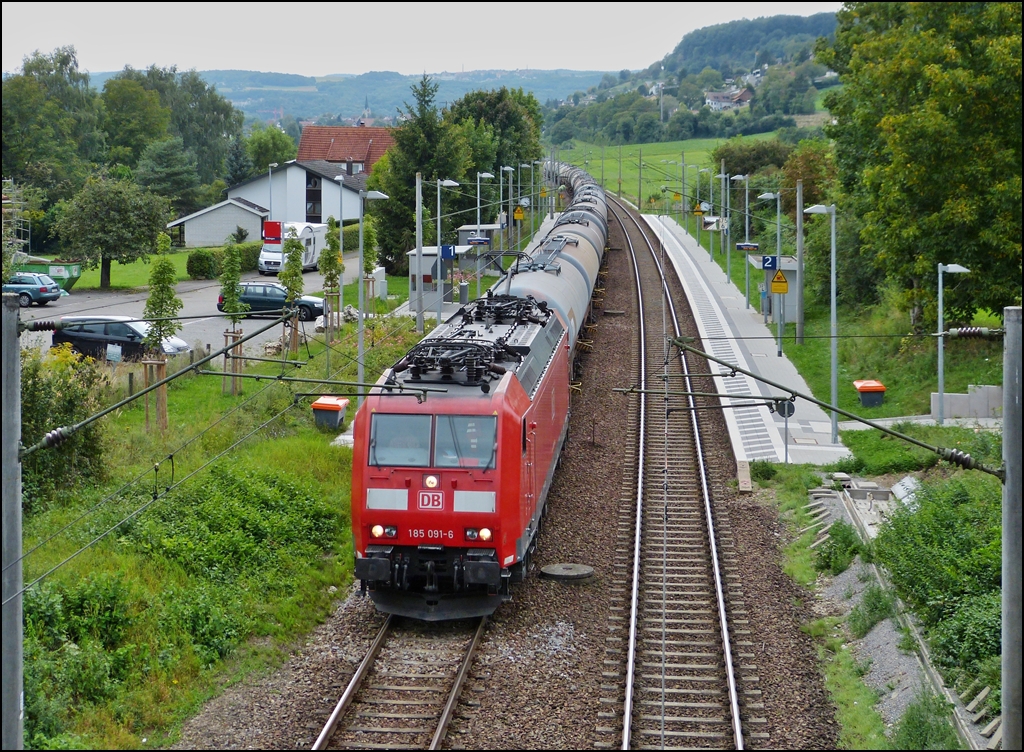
(465, 441)
(402, 440)
(398, 440)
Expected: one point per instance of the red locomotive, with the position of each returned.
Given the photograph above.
(448, 492)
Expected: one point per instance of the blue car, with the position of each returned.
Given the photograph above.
(32, 288)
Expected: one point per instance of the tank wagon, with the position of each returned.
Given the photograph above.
(448, 493)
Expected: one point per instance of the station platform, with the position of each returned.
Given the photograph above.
(737, 335)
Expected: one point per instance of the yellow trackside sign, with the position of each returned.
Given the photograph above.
(780, 285)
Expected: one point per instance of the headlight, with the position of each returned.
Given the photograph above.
(485, 534)
(381, 531)
(377, 531)
(472, 533)
(430, 481)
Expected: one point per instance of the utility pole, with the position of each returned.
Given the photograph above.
(640, 183)
(419, 253)
(12, 711)
(799, 262)
(1011, 529)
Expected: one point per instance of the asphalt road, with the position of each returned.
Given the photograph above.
(198, 296)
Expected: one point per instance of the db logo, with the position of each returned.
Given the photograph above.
(432, 500)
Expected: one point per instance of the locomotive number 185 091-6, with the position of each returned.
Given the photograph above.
(433, 534)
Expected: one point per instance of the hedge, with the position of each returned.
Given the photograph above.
(205, 263)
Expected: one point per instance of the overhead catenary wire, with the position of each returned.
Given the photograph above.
(144, 507)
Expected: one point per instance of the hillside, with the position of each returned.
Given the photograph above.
(740, 45)
(264, 95)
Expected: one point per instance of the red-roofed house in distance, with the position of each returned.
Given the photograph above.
(361, 146)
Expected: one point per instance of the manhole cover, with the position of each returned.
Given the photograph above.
(567, 572)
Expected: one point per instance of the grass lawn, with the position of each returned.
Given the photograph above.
(130, 276)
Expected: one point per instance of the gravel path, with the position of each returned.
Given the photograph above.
(536, 681)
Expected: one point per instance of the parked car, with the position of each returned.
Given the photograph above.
(90, 335)
(33, 288)
(269, 297)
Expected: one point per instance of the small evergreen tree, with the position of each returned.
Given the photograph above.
(239, 166)
(291, 275)
(231, 272)
(330, 263)
(162, 304)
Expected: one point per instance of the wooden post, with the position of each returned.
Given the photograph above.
(145, 384)
(236, 364)
(229, 385)
(156, 370)
(161, 394)
(293, 346)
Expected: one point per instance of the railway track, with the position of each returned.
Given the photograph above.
(674, 678)
(405, 691)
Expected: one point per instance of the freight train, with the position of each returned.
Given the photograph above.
(448, 491)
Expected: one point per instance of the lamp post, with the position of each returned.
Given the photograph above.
(724, 210)
(523, 166)
(833, 334)
(440, 258)
(501, 207)
(949, 269)
(478, 176)
(363, 195)
(781, 315)
(746, 230)
(700, 221)
(270, 189)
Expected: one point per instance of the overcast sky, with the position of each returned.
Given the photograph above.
(324, 38)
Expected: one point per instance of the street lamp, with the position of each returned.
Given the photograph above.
(949, 269)
(700, 222)
(746, 229)
(270, 189)
(501, 205)
(725, 211)
(478, 176)
(781, 315)
(440, 258)
(833, 336)
(364, 195)
(519, 203)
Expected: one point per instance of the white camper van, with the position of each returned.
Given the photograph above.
(312, 236)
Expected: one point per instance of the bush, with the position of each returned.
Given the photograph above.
(926, 725)
(971, 635)
(837, 553)
(203, 264)
(249, 255)
(946, 550)
(58, 388)
(876, 604)
(762, 470)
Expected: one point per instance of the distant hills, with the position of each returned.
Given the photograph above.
(266, 95)
(730, 48)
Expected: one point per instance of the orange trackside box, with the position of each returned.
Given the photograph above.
(872, 393)
(329, 412)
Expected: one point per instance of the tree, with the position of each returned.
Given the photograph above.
(291, 277)
(64, 83)
(204, 120)
(330, 264)
(169, 171)
(266, 145)
(427, 144)
(230, 274)
(134, 118)
(162, 305)
(515, 117)
(291, 274)
(239, 166)
(111, 220)
(928, 142)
